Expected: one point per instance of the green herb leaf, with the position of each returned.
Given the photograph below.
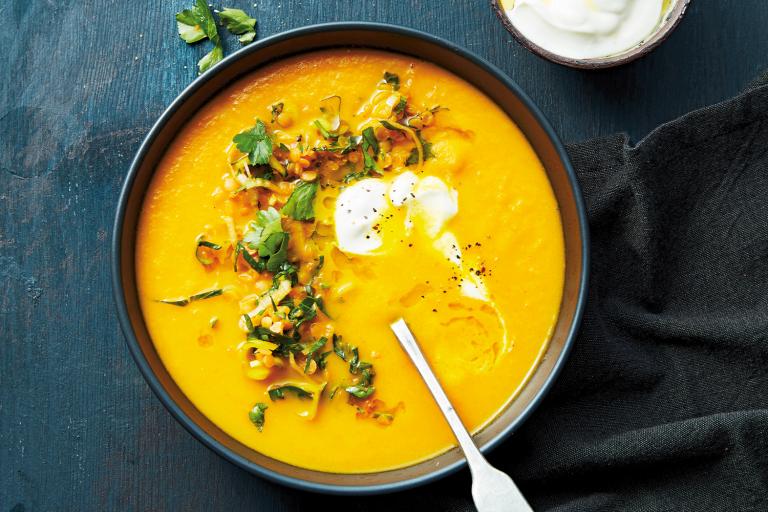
(201, 255)
(256, 142)
(392, 79)
(266, 236)
(196, 24)
(413, 156)
(360, 391)
(189, 30)
(239, 23)
(300, 204)
(322, 359)
(264, 334)
(323, 130)
(286, 271)
(267, 223)
(278, 393)
(256, 415)
(210, 59)
(369, 141)
(310, 353)
(276, 110)
(183, 301)
(400, 107)
(389, 126)
(339, 347)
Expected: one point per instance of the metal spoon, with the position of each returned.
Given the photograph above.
(492, 490)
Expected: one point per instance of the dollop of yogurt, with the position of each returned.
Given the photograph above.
(429, 205)
(359, 208)
(585, 29)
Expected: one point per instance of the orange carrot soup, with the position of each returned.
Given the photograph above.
(311, 204)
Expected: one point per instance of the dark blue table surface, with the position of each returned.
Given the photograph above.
(84, 81)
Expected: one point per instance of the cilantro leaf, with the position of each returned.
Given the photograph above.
(256, 142)
(196, 24)
(392, 79)
(267, 223)
(239, 23)
(369, 141)
(300, 204)
(210, 59)
(188, 28)
(266, 236)
(275, 250)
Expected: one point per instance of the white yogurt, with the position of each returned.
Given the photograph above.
(586, 29)
(429, 204)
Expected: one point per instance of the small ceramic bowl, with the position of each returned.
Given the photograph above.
(479, 73)
(669, 22)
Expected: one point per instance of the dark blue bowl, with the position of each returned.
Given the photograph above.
(471, 68)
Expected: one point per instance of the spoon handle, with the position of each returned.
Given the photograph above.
(492, 490)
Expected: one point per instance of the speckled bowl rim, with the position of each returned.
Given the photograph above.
(126, 297)
(662, 32)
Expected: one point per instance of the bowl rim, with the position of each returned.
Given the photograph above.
(666, 26)
(176, 410)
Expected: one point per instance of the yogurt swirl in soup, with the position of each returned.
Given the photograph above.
(585, 29)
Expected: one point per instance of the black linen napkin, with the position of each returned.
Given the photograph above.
(663, 405)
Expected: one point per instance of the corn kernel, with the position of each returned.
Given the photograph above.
(266, 322)
(309, 175)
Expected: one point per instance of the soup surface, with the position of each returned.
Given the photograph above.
(313, 203)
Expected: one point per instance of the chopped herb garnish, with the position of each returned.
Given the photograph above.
(266, 236)
(239, 23)
(413, 156)
(256, 415)
(392, 79)
(389, 126)
(323, 130)
(203, 250)
(276, 110)
(310, 353)
(360, 391)
(286, 271)
(400, 107)
(256, 143)
(339, 347)
(196, 24)
(322, 359)
(183, 301)
(300, 204)
(369, 141)
(278, 393)
(264, 334)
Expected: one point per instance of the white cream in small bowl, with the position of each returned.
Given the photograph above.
(590, 33)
